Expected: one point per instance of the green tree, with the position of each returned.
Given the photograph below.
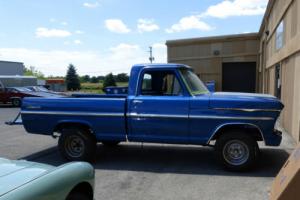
(32, 71)
(94, 79)
(85, 79)
(122, 77)
(109, 81)
(72, 78)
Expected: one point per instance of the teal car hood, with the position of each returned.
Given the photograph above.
(14, 174)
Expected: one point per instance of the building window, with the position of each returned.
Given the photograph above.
(279, 36)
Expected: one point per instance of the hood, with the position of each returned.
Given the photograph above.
(244, 101)
(14, 174)
(43, 94)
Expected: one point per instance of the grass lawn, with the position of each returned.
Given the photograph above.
(97, 87)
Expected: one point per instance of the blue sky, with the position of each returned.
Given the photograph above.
(102, 36)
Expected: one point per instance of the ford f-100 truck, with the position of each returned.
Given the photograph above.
(166, 103)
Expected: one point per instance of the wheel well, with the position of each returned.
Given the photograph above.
(249, 129)
(81, 126)
(83, 188)
(63, 125)
(12, 98)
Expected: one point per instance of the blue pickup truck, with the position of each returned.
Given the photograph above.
(166, 103)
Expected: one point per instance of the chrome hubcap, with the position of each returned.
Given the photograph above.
(236, 152)
(74, 146)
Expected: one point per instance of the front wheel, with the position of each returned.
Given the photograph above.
(77, 145)
(237, 151)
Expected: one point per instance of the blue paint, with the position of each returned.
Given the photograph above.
(182, 119)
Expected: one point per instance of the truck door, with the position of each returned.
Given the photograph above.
(159, 111)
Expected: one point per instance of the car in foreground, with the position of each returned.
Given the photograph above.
(23, 180)
(165, 103)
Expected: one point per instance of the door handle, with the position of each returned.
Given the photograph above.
(137, 101)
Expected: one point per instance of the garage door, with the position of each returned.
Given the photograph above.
(239, 77)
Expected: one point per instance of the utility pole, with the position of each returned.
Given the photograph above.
(151, 58)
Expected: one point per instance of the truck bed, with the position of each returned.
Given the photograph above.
(104, 115)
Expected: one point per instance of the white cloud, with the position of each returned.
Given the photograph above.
(116, 26)
(66, 42)
(45, 32)
(91, 5)
(77, 42)
(52, 20)
(192, 22)
(116, 59)
(64, 23)
(79, 32)
(159, 52)
(147, 25)
(228, 8)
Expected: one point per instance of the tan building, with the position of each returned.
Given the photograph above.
(214, 58)
(280, 59)
(267, 61)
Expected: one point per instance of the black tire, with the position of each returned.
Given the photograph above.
(16, 102)
(77, 144)
(110, 143)
(78, 196)
(237, 151)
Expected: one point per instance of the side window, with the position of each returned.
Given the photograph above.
(161, 83)
(147, 82)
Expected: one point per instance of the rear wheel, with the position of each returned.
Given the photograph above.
(16, 102)
(76, 144)
(237, 151)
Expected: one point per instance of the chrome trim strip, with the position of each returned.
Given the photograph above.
(156, 115)
(229, 117)
(197, 116)
(85, 98)
(228, 124)
(249, 110)
(73, 113)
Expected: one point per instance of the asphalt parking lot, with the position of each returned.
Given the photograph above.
(148, 171)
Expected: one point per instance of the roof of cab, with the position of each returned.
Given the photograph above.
(161, 65)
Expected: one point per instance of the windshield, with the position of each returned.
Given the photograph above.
(42, 89)
(21, 89)
(193, 83)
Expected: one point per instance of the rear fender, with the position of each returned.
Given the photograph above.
(73, 123)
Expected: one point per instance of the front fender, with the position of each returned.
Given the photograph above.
(219, 130)
(56, 184)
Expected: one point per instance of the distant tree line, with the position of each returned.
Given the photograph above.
(32, 71)
(122, 77)
(73, 80)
